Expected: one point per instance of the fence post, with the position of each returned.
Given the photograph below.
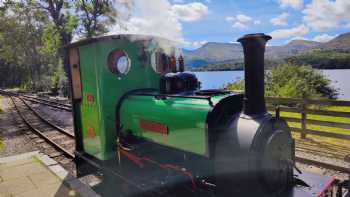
(277, 112)
(303, 119)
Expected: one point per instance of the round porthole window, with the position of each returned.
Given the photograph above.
(118, 62)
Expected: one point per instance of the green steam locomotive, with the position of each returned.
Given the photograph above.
(149, 128)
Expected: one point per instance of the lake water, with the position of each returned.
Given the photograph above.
(218, 79)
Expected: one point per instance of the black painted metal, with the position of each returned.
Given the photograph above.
(181, 64)
(254, 49)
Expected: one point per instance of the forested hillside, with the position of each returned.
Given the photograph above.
(334, 54)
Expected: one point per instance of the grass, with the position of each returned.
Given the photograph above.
(1, 110)
(2, 143)
(323, 128)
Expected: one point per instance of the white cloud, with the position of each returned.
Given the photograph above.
(280, 20)
(322, 15)
(289, 33)
(197, 44)
(243, 18)
(239, 25)
(296, 4)
(239, 21)
(178, 1)
(189, 12)
(230, 19)
(160, 18)
(323, 38)
(257, 22)
(296, 38)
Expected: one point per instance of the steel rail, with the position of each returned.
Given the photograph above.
(47, 139)
(46, 103)
(47, 121)
(322, 164)
(53, 104)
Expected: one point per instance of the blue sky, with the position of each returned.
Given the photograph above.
(195, 22)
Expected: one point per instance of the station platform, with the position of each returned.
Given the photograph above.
(35, 174)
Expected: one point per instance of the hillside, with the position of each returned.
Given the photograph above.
(213, 52)
(219, 53)
(290, 49)
(340, 43)
(332, 54)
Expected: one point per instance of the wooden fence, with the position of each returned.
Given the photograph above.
(307, 107)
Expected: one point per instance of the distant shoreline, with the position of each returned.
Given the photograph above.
(266, 69)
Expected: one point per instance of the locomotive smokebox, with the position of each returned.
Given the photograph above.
(261, 152)
(254, 49)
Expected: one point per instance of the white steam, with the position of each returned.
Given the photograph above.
(157, 18)
(152, 18)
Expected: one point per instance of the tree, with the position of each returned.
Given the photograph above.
(296, 81)
(33, 34)
(63, 20)
(95, 16)
(20, 36)
(63, 25)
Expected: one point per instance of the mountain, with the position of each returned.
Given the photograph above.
(218, 53)
(332, 54)
(290, 49)
(339, 43)
(213, 52)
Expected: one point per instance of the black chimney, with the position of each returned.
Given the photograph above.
(254, 49)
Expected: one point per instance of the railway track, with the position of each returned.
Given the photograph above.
(47, 102)
(54, 104)
(61, 142)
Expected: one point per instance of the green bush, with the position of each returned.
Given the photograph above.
(295, 81)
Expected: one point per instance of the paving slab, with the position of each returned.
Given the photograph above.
(35, 174)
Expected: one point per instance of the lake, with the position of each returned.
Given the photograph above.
(218, 79)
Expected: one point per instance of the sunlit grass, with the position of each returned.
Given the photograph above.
(2, 143)
(1, 110)
(323, 128)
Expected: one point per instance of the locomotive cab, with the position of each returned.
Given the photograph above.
(139, 117)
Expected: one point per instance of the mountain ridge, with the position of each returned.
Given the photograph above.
(219, 52)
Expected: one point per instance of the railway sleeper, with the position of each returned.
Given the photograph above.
(55, 154)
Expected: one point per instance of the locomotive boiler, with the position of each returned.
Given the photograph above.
(149, 128)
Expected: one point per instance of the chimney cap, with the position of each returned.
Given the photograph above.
(256, 36)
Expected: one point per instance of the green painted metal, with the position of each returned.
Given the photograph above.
(106, 89)
(95, 117)
(185, 118)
